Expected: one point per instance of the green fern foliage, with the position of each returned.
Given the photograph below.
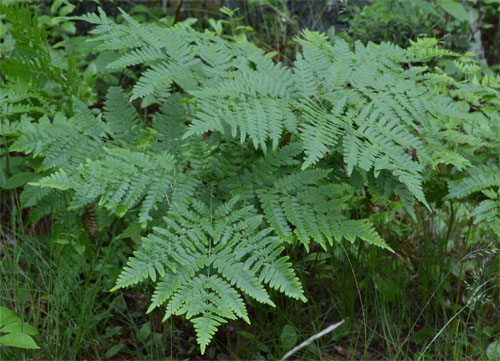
(83, 158)
(367, 106)
(59, 147)
(36, 77)
(120, 181)
(63, 143)
(304, 205)
(121, 117)
(225, 158)
(486, 182)
(362, 103)
(204, 257)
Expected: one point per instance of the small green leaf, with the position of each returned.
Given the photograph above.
(7, 316)
(69, 27)
(21, 327)
(422, 335)
(65, 10)
(227, 11)
(493, 351)
(18, 339)
(79, 248)
(216, 25)
(113, 351)
(20, 179)
(455, 9)
(115, 288)
(288, 336)
(132, 230)
(144, 332)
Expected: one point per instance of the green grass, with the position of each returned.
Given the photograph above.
(65, 295)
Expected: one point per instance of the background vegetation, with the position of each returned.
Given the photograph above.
(436, 297)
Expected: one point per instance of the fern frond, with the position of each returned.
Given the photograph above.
(146, 55)
(305, 81)
(484, 179)
(121, 117)
(120, 181)
(261, 119)
(205, 329)
(319, 133)
(314, 210)
(207, 258)
(479, 178)
(57, 180)
(63, 143)
(90, 124)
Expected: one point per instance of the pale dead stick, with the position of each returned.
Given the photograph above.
(312, 339)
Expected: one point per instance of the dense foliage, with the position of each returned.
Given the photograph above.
(224, 160)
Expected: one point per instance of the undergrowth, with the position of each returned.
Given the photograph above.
(182, 172)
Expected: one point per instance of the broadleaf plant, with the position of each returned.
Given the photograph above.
(15, 332)
(243, 156)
